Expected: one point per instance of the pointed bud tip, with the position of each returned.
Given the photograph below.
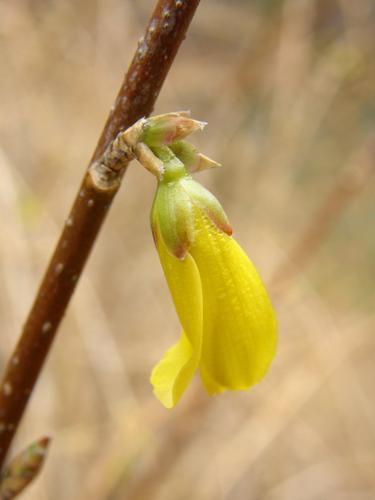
(201, 125)
(184, 126)
(203, 162)
(44, 442)
(168, 128)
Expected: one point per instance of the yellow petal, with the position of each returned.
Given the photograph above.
(172, 374)
(210, 384)
(239, 327)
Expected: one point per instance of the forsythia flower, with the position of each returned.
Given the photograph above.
(229, 327)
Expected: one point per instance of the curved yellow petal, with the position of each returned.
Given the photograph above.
(172, 374)
(210, 384)
(239, 324)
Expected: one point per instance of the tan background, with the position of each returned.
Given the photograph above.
(288, 89)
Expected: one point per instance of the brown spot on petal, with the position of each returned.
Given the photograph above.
(154, 235)
(181, 251)
(221, 224)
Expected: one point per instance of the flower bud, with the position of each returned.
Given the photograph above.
(168, 128)
(23, 469)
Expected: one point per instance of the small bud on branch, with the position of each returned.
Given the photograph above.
(23, 469)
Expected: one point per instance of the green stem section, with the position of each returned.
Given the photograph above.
(174, 169)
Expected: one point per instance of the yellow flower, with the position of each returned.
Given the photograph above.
(229, 327)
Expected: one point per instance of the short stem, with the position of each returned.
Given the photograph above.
(173, 169)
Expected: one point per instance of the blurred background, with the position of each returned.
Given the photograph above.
(288, 90)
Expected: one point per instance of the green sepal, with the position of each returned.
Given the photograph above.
(185, 152)
(172, 218)
(208, 203)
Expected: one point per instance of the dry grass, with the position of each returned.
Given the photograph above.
(288, 91)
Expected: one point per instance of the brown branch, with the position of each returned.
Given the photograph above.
(156, 51)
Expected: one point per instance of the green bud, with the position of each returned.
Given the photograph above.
(172, 218)
(168, 128)
(23, 469)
